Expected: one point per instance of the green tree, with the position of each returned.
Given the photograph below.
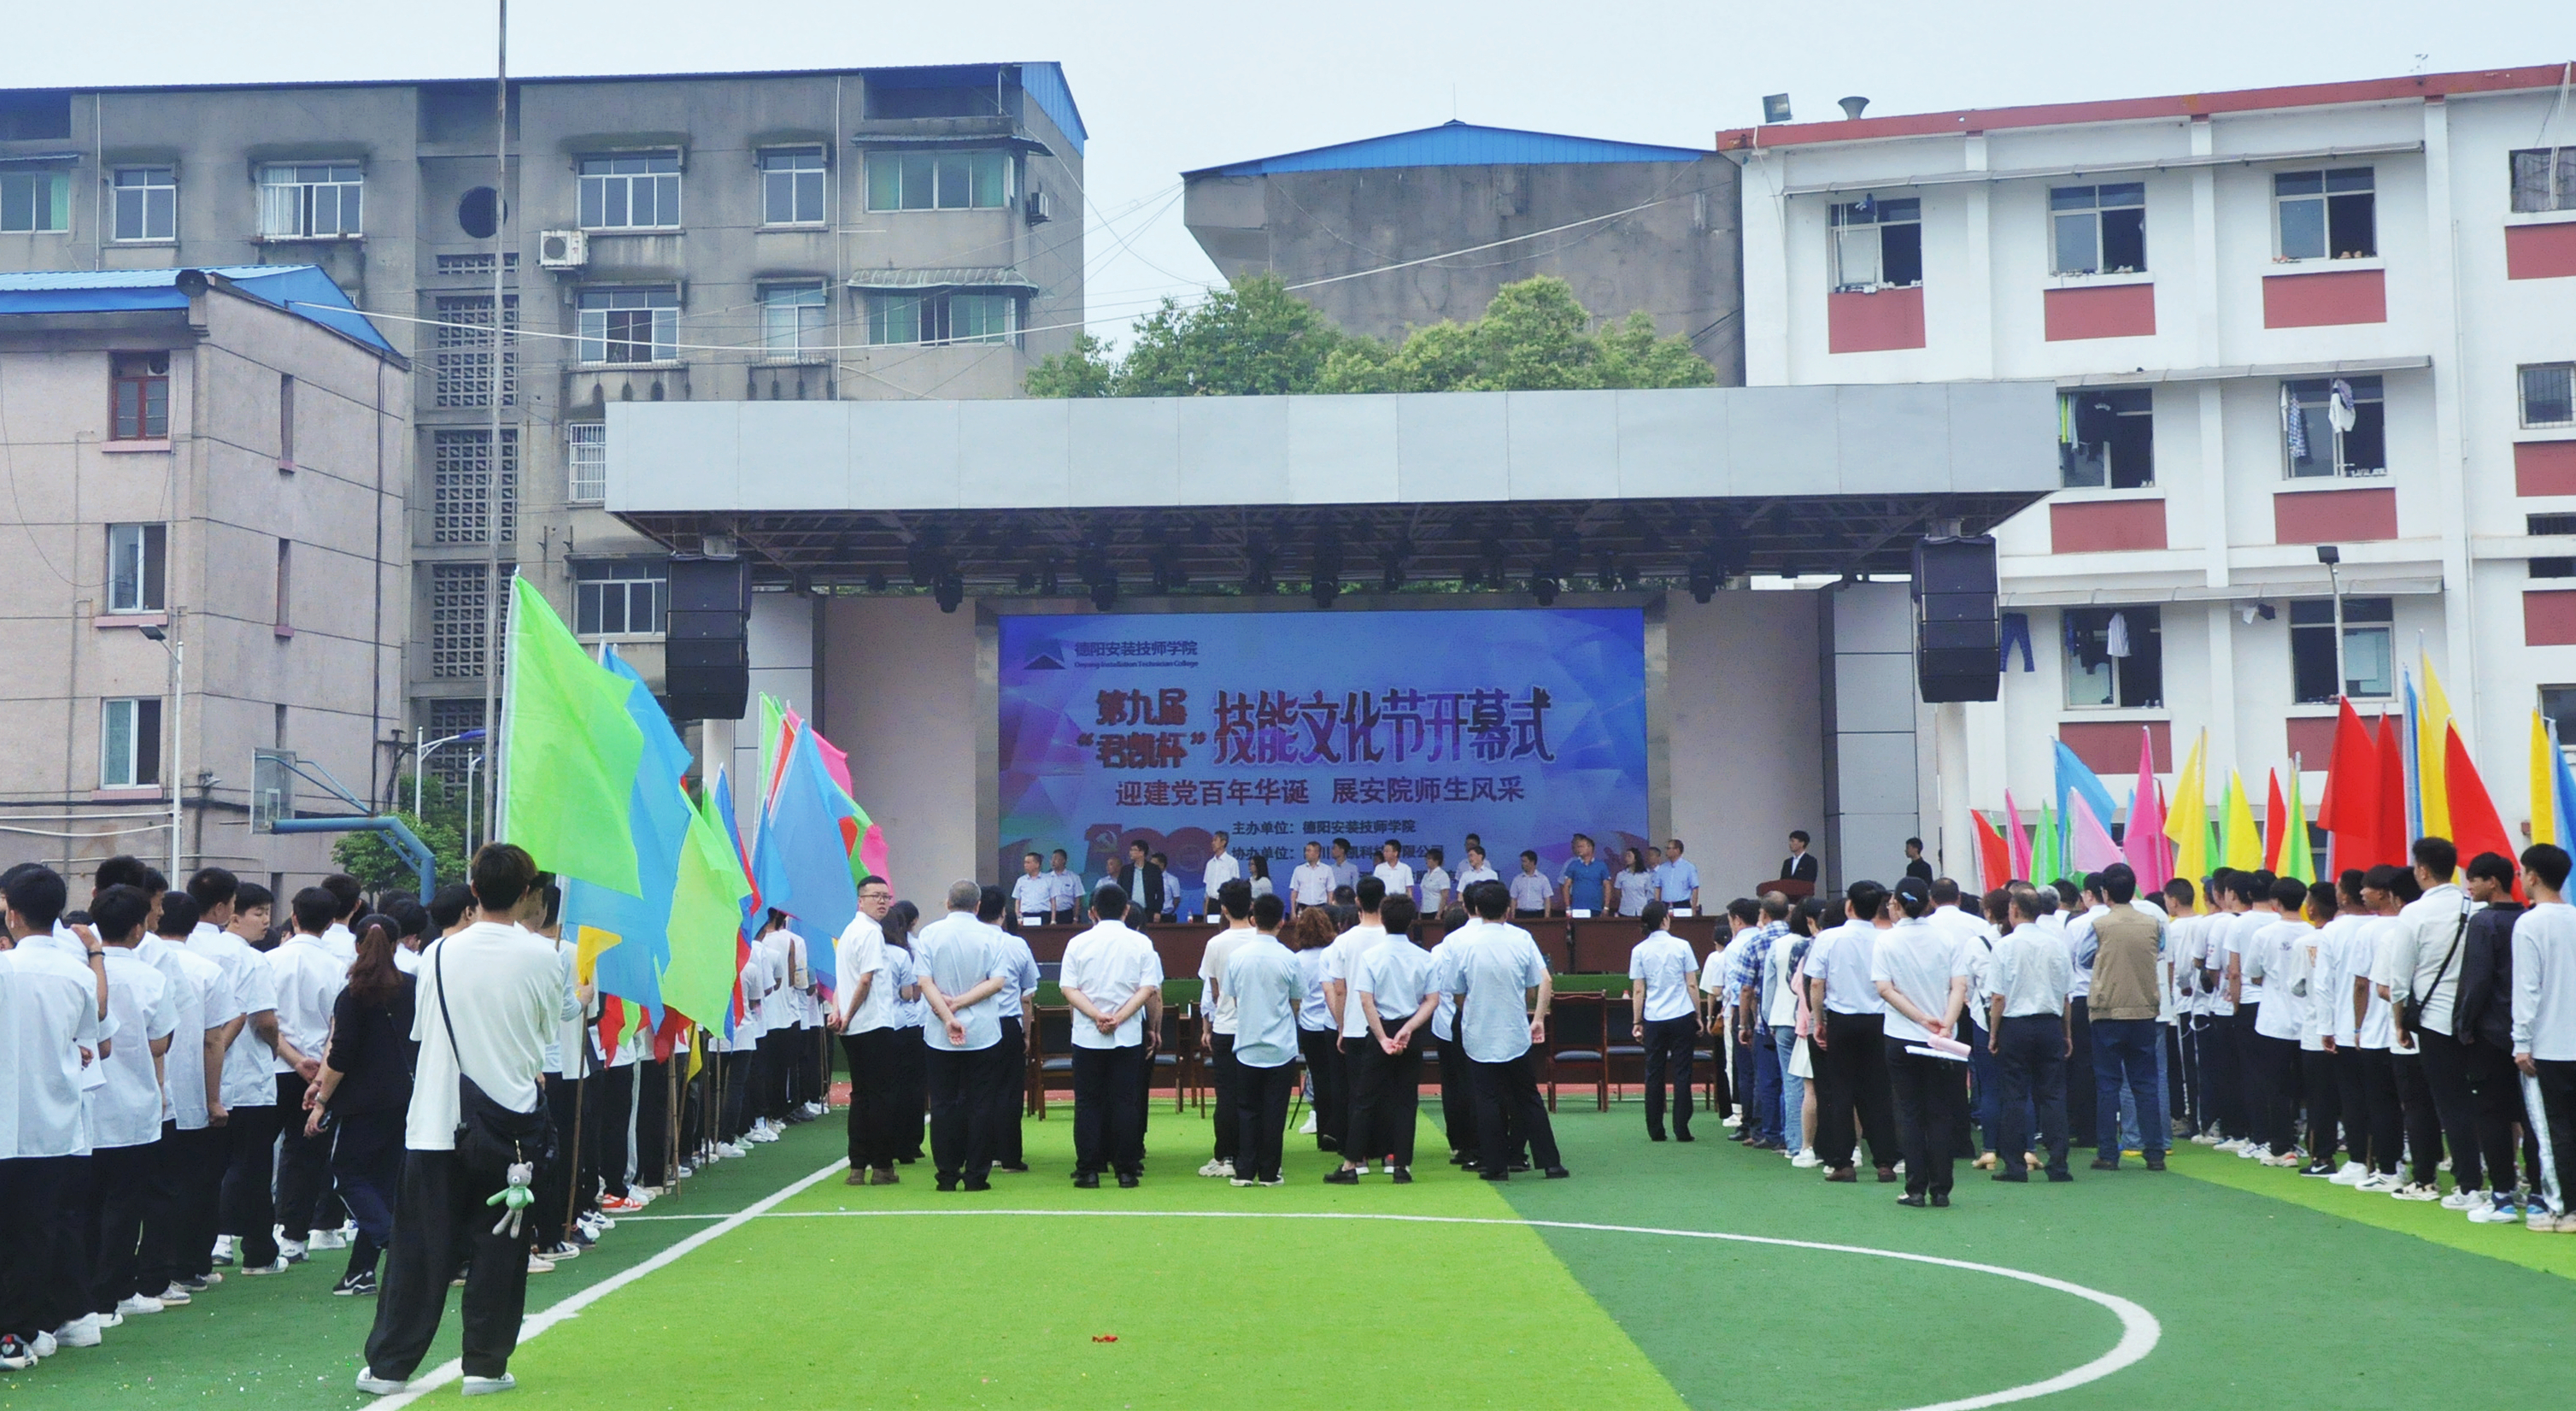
(372, 859)
(1087, 371)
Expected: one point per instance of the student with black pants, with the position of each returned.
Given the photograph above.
(1492, 975)
(1667, 1022)
(1262, 979)
(1851, 1052)
(2028, 979)
(1110, 976)
(1923, 976)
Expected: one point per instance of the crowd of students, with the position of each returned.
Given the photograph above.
(197, 1089)
(2373, 1031)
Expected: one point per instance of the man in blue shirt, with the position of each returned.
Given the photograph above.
(1584, 885)
(1346, 871)
(963, 970)
(1680, 880)
(1261, 978)
(1492, 969)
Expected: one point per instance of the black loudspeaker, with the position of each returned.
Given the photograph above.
(706, 656)
(1956, 631)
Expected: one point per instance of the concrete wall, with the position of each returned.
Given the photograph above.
(1676, 260)
(898, 687)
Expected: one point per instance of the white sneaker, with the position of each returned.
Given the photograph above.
(43, 1345)
(816, 1109)
(2496, 1212)
(538, 1266)
(2376, 1184)
(324, 1239)
(138, 1303)
(2413, 1190)
(728, 1150)
(2463, 1200)
(1308, 1129)
(2253, 1151)
(263, 1270)
(111, 1319)
(684, 1171)
(224, 1251)
(1805, 1160)
(374, 1385)
(1217, 1168)
(485, 1386)
(174, 1297)
(2352, 1173)
(2287, 1158)
(292, 1251)
(1730, 1122)
(2539, 1219)
(2230, 1146)
(79, 1332)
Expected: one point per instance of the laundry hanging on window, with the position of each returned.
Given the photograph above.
(2119, 635)
(2297, 422)
(2339, 407)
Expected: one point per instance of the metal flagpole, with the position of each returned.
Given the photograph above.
(493, 485)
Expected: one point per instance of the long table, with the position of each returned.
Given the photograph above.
(1597, 945)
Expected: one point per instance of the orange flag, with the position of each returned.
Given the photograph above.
(2475, 826)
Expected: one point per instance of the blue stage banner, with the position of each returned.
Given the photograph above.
(1523, 725)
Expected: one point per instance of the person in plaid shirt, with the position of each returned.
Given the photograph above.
(1747, 978)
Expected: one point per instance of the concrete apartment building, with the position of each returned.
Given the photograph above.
(2330, 315)
(214, 458)
(859, 234)
(1630, 225)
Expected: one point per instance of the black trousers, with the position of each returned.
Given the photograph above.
(1457, 1103)
(1108, 1119)
(2222, 1076)
(1221, 1075)
(249, 1204)
(1322, 1049)
(1010, 1096)
(121, 1189)
(2081, 1099)
(1386, 1094)
(1510, 1112)
(179, 1218)
(2253, 1074)
(962, 1083)
(2352, 1103)
(653, 1122)
(1261, 1116)
(2030, 1077)
(2384, 1116)
(2478, 1127)
(2423, 1122)
(34, 1222)
(1851, 1079)
(1929, 1095)
(554, 1184)
(2325, 1104)
(1669, 1045)
(2557, 1084)
(615, 1098)
(367, 1163)
(440, 1221)
(303, 1164)
(2178, 1072)
(912, 1093)
(2278, 1062)
(876, 1100)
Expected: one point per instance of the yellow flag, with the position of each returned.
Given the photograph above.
(2544, 781)
(2187, 816)
(2432, 773)
(697, 1051)
(2241, 845)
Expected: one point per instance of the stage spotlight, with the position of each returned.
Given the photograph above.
(876, 580)
(950, 592)
(1703, 582)
(1048, 582)
(1028, 582)
(1324, 590)
(1104, 593)
(1543, 587)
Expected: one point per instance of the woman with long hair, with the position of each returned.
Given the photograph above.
(1260, 875)
(1318, 1037)
(364, 1089)
(912, 1075)
(1635, 884)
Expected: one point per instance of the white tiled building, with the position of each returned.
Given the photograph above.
(2206, 277)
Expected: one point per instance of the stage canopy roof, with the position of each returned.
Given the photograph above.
(1211, 494)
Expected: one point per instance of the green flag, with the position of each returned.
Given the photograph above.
(706, 916)
(2044, 863)
(571, 751)
(773, 720)
(2296, 860)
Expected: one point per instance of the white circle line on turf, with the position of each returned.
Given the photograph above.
(2139, 1330)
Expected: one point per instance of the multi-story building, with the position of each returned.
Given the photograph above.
(860, 233)
(1396, 232)
(206, 506)
(2286, 320)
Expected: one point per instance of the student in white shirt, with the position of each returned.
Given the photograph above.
(1018, 1003)
(52, 1036)
(1493, 973)
(1532, 895)
(2544, 1017)
(258, 1052)
(1266, 990)
(863, 1013)
(1340, 964)
(179, 1218)
(309, 976)
(1457, 1110)
(1033, 893)
(963, 972)
(1312, 883)
(1222, 867)
(2030, 980)
(1666, 1023)
(1393, 871)
(1850, 1042)
(1392, 995)
(490, 997)
(1234, 900)
(2402, 971)
(2269, 958)
(1922, 974)
(1109, 976)
(1435, 882)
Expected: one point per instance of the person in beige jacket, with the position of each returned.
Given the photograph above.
(2128, 939)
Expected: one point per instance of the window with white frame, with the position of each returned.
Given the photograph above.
(461, 489)
(2114, 657)
(628, 326)
(2326, 214)
(2098, 229)
(145, 204)
(2369, 661)
(791, 318)
(2548, 395)
(462, 353)
(137, 555)
(1878, 244)
(635, 192)
(35, 201)
(458, 593)
(2544, 179)
(620, 597)
(586, 458)
(933, 318)
(129, 742)
(791, 186)
(2106, 437)
(939, 181)
(2333, 426)
(310, 200)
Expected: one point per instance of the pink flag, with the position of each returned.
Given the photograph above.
(2144, 843)
(836, 761)
(2087, 840)
(2016, 839)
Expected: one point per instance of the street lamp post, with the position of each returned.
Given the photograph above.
(178, 651)
(473, 763)
(420, 761)
(2332, 557)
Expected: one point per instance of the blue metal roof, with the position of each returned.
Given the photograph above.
(302, 290)
(1457, 144)
(1043, 82)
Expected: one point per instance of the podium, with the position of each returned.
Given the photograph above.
(1793, 890)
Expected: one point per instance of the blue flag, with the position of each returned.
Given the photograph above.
(628, 938)
(2074, 776)
(801, 857)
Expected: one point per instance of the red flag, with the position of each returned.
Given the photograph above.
(2391, 834)
(2475, 827)
(2349, 809)
(1994, 856)
(2276, 809)
(612, 1023)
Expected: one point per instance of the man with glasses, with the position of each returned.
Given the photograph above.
(863, 1014)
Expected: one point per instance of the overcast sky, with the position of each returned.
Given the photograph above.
(1167, 87)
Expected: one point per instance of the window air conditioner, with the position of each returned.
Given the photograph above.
(563, 249)
(1041, 207)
